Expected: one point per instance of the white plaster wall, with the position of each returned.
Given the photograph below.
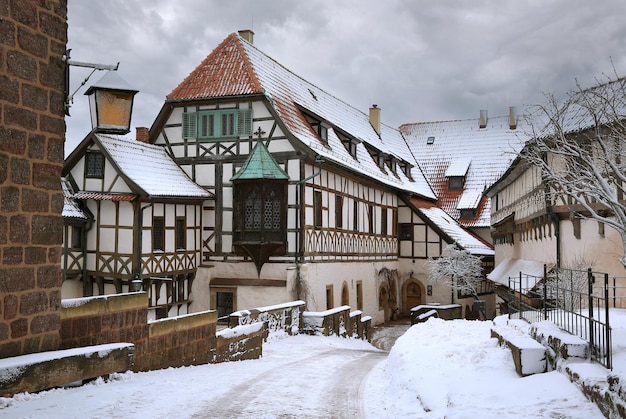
(602, 252)
(319, 275)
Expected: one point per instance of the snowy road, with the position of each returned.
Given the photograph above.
(300, 376)
(437, 369)
(323, 384)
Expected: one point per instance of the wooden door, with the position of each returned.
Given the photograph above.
(413, 295)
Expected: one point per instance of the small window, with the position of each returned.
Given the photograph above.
(370, 219)
(601, 228)
(406, 231)
(158, 233)
(338, 211)
(359, 295)
(430, 140)
(317, 209)
(77, 237)
(355, 215)
(181, 233)
(468, 214)
(383, 222)
(352, 148)
(329, 297)
(323, 133)
(576, 227)
(456, 183)
(94, 165)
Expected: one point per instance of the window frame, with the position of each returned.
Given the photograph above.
(237, 121)
(338, 211)
(158, 234)
(180, 233)
(317, 209)
(90, 169)
(456, 183)
(77, 237)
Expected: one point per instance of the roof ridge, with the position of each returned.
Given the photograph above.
(249, 67)
(204, 71)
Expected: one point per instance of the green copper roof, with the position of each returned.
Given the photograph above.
(260, 165)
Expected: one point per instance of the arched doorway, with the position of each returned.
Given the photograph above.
(412, 295)
(345, 296)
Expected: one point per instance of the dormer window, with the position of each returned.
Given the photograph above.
(319, 126)
(456, 173)
(350, 144)
(393, 164)
(456, 183)
(406, 169)
(321, 129)
(467, 214)
(381, 162)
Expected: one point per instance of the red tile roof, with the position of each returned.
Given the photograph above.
(224, 72)
(237, 68)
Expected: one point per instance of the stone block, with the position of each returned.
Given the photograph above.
(44, 370)
(529, 356)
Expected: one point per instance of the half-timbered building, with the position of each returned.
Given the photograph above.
(132, 218)
(535, 224)
(309, 191)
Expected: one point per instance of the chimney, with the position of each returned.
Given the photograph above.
(512, 117)
(482, 121)
(143, 135)
(247, 34)
(375, 118)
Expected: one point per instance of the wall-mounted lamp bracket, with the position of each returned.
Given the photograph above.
(69, 98)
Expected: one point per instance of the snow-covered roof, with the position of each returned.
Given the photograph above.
(456, 232)
(462, 148)
(71, 209)
(236, 67)
(150, 168)
(608, 101)
(531, 272)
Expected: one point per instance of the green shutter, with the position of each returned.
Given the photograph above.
(244, 122)
(189, 125)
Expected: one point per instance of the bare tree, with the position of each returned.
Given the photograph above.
(458, 268)
(580, 147)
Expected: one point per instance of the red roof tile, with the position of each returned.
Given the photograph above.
(224, 72)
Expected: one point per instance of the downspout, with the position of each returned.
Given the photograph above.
(299, 253)
(86, 227)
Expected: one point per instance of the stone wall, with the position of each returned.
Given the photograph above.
(33, 37)
(170, 342)
(338, 321)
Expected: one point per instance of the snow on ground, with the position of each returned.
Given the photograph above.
(437, 369)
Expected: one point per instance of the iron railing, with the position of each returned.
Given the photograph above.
(577, 301)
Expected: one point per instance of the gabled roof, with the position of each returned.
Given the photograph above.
(607, 102)
(260, 165)
(456, 232)
(236, 68)
(147, 169)
(224, 72)
(448, 148)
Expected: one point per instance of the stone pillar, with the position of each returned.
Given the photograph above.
(33, 38)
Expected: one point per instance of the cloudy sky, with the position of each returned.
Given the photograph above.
(417, 60)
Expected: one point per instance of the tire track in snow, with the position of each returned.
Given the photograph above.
(308, 387)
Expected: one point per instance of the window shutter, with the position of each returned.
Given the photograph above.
(189, 125)
(244, 122)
